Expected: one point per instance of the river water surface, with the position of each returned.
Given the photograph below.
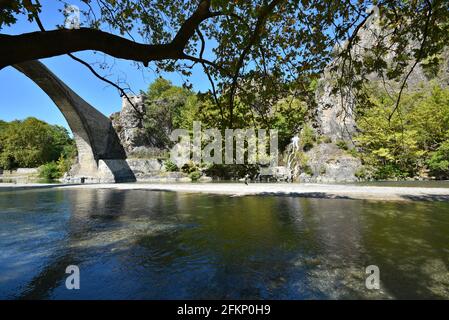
(165, 245)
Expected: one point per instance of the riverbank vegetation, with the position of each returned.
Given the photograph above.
(32, 143)
(169, 107)
(263, 61)
(411, 142)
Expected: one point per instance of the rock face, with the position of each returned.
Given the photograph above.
(142, 156)
(330, 164)
(153, 170)
(334, 115)
(128, 123)
(334, 119)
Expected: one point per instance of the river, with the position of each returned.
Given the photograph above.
(138, 244)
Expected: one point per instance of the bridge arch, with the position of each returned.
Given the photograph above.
(101, 157)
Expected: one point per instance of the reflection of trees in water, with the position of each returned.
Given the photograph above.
(175, 245)
(246, 247)
(331, 254)
(333, 225)
(408, 241)
(231, 247)
(92, 212)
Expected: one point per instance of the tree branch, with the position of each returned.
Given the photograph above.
(265, 12)
(91, 69)
(120, 89)
(417, 60)
(214, 91)
(44, 44)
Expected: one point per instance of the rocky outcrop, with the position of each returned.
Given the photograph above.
(153, 170)
(335, 112)
(328, 163)
(128, 123)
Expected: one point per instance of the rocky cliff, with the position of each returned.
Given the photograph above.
(335, 113)
(128, 123)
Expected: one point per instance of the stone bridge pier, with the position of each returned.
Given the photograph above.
(101, 157)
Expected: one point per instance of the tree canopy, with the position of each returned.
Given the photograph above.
(31, 142)
(275, 47)
(415, 139)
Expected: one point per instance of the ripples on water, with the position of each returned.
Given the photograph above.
(157, 245)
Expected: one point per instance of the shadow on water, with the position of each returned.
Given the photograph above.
(312, 195)
(427, 197)
(160, 245)
(409, 244)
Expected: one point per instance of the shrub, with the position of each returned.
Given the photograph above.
(190, 167)
(439, 161)
(170, 166)
(353, 152)
(302, 161)
(63, 165)
(49, 171)
(308, 170)
(195, 175)
(361, 173)
(307, 138)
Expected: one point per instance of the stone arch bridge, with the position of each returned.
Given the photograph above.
(101, 157)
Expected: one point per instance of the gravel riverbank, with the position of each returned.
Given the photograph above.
(330, 191)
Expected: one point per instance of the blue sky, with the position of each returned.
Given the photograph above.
(21, 98)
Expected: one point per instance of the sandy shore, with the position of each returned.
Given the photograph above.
(240, 189)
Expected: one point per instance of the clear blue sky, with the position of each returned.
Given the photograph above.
(21, 98)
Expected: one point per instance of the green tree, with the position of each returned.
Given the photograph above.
(402, 145)
(428, 111)
(49, 171)
(168, 107)
(439, 161)
(32, 142)
(3, 125)
(288, 116)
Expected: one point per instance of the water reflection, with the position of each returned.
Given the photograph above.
(157, 245)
